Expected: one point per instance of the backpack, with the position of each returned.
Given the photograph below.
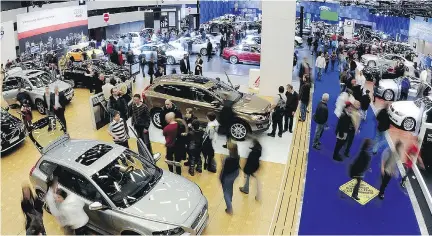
(280, 107)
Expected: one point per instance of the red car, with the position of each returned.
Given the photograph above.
(243, 54)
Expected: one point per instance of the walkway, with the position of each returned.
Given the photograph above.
(326, 210)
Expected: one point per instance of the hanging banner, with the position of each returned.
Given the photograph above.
(53, 28)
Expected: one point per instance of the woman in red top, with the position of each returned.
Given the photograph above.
(170, 134)
(412, 155)
(120, 57)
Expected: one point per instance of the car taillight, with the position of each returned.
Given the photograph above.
(34, 167)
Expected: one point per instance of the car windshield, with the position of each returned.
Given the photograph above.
(220, 89)
(42, 80)
(425, 100)
(127, 179)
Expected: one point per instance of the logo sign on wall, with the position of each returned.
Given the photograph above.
(106, 17)
(164, 22)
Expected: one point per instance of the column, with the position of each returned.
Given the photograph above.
(277, 45)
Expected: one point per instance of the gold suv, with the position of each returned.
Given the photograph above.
(203, 95)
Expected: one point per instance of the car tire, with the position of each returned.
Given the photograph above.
(239, 130)
(155, 117)
(203, 51)
(371, 63)
(170, 60)
(409, 124)
(39, 104)
(388, 95)
(233, 59)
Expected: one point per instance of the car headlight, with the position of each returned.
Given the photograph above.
(175, 231)
(258, 117)
(399, 113)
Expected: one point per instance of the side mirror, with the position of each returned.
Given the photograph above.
(237, 87)
(96, 206)
(157, 157)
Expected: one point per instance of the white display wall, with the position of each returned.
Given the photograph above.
(7, 42)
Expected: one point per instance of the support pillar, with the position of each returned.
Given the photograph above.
(277, 45)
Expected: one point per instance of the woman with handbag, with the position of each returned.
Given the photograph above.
(360, 165)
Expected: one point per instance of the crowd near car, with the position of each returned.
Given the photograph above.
(124, 192)
(205, 95)
(198, 45)
(173, 55)
(33, 82)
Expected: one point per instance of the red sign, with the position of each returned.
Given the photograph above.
(106, 17)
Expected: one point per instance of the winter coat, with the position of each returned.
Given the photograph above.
(252, 162)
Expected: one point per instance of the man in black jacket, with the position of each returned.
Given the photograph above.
(383, 120)
(209, 49)
(304, 97)
(162, 60)
(291, 107)
(185, 65)
(169, 107)
(141, 120)
(118, 103)
(342, 130)
(320, 117)
(58, 102)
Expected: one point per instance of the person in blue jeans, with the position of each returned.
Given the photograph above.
(383, 125)
(320, 117)
(230, 171)
(304, 97)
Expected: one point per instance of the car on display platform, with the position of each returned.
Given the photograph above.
(173, 54)
(34, 82)
(76, 51)
(390, 89)
(12, 130)
(389, 59)
(135, 39)
(298, 41)
(205, 95)
(407, 114)
(124, 192)
(198, 45)
(250, 54)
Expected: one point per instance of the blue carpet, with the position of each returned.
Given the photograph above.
(325, 209)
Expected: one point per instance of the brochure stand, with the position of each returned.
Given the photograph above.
(98, 111)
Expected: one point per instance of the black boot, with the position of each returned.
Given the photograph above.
(191, 171)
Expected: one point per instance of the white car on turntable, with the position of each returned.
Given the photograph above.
(198, 45)
(406, 114)
(387, 59)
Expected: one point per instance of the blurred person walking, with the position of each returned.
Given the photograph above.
(320, 64)
(360, 165)
(229, 173)
(304, 97)
(251, 167)
(365, 103)
(412, 155)
(290, 108)
(333, 59)
(198, 65)
(389, 166)
(383, 124)
(50, 199)
(343, 129)
(31, 206)
(151, 68)
(327, 60)
(71, 208)
(226, 116)
(209, 50)
(320, 117)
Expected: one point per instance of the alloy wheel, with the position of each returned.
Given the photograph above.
(388, 95)
(408, 124)
(156, 119)
(233, 59)
(203, 51)
(40, 107)
(238, 131)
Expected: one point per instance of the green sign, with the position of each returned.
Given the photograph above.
(329, 15)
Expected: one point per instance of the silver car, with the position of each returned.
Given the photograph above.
(33, 82)
(124, 193)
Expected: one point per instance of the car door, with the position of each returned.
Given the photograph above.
(74, 183)
(203, 104)
(255, 55)
(245, 54)
(181, 96)
(10, 90)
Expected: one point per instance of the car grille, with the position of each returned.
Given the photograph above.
(199, 217)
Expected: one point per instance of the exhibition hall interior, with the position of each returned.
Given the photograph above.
(216, 117)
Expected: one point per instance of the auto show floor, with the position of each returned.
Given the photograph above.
(250, 216)
(328, 185)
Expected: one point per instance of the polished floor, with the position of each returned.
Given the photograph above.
(250, 216)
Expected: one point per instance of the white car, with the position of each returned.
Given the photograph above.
(198, 45)
(173, 54)
(387, 59)
(135, 39)
(298, 40)
(406, 114)
(390, 89)
(252, 39)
